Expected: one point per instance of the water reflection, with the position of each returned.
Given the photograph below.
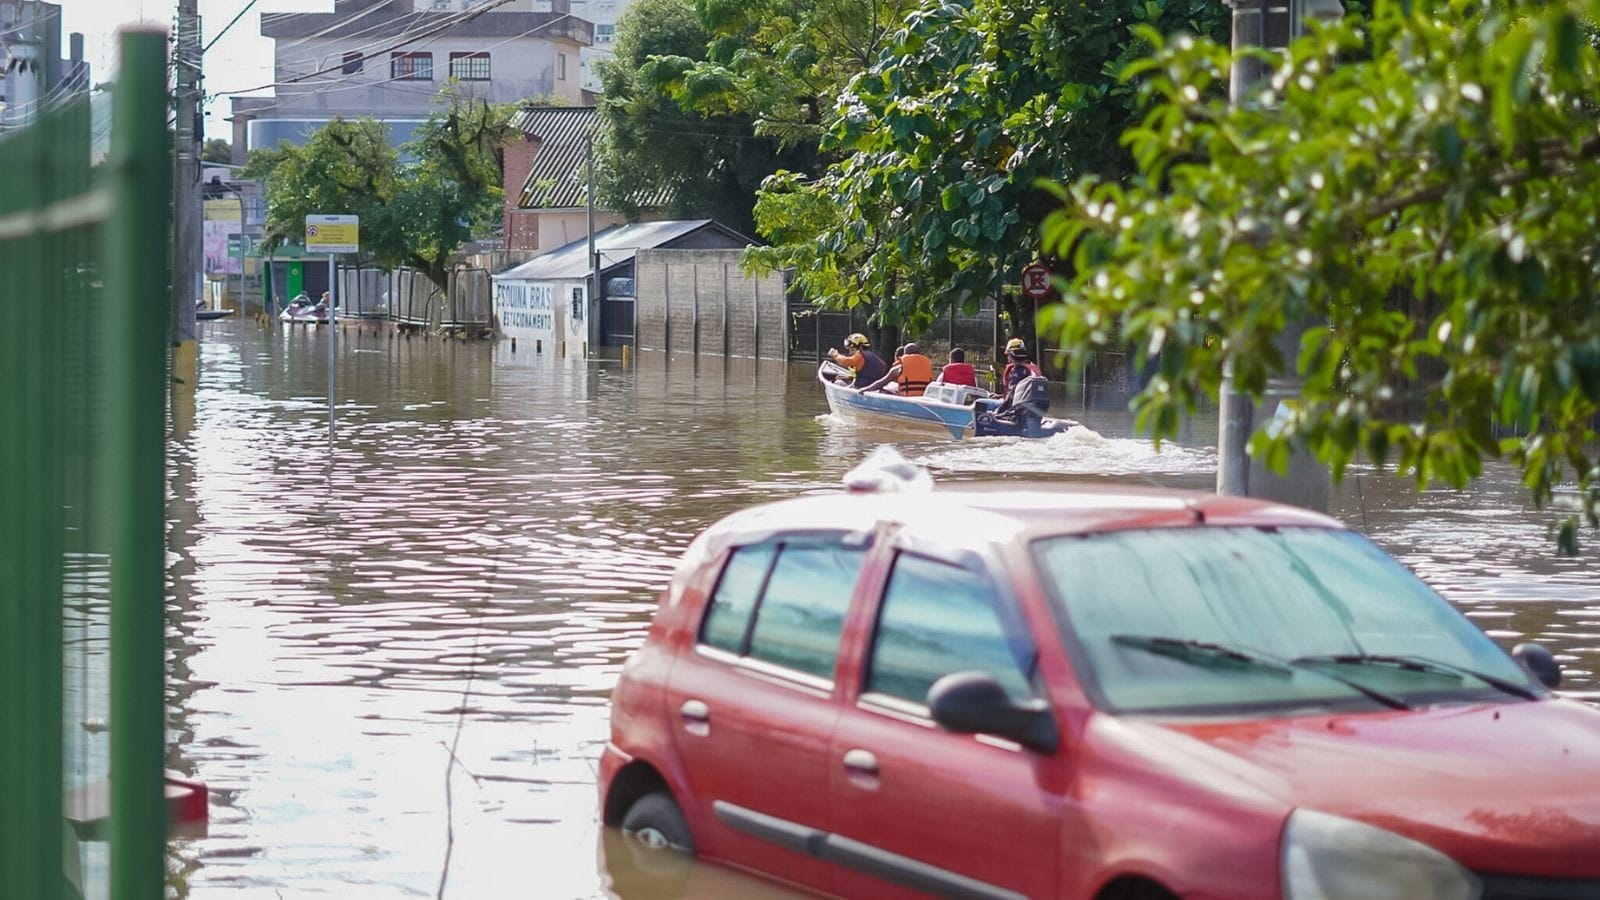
(482, 540)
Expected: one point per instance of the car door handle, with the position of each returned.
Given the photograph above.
(862, 761)
(695, 711)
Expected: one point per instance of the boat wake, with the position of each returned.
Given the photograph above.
(1080, 451)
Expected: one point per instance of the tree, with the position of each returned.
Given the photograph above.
(1448, 150)
(652, 150)
(941, 141)
(216, 150)
(781, 63)
(415, 213)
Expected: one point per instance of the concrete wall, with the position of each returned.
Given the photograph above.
(700, 301)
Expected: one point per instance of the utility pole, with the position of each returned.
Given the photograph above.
(592, 311)
(1271, 24)
(187, 243)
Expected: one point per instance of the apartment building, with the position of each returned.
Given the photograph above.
(388, 58)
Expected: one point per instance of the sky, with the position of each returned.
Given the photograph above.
(241, 59)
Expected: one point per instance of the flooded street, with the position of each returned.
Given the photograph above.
(469, 559)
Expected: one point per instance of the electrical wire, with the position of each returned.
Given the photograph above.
(344, 84)
(33, 22)
(450, 22)
(231, 23)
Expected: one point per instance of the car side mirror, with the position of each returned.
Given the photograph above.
(1538, 659)
(975, 703)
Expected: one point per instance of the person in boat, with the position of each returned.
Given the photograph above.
(1018, 365)
(958, 370)
(1018, 368)
(859, 358)
(913, 372)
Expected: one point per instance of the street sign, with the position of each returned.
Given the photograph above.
(1036, 281)
(333, 234)
(238, 244)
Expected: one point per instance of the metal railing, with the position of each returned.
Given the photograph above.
(83, 353)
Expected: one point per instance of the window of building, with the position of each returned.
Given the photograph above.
(604, 33)
(411, 66)
(352, 62)
(784, 603)
(470, 66)
(938, 619)
(561, 66)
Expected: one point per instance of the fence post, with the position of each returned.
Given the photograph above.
(725, 343)
(694, 311)
(136, 314)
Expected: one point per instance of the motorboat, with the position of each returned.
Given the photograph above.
(955, 410)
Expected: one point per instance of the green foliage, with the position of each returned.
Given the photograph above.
(216, 150)
(413, 213)
(780, 63)
(1444, 151)
(651, 149)
(940, 143)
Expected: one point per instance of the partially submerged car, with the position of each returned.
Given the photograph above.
(1046, 691)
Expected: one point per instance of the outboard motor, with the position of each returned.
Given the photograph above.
(1024, 417)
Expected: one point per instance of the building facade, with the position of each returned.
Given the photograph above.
(36, 77)
(388, 59)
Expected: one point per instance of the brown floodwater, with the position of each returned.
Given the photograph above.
(468, 558)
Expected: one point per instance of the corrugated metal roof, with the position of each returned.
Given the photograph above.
(559, 176)
(617, 245)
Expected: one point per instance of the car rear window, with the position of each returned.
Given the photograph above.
(784, 602)
(937, 619)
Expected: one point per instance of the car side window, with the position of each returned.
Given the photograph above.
(784, 602)
(734, 599)
(802, 610)
(937, 619)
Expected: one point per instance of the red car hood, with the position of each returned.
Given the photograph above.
(1509, 788)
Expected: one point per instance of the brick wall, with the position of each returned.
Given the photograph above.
(700, 301)
(521, 228)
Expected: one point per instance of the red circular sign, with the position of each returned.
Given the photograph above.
(1036, 281)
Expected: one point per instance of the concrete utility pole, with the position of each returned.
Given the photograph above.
(1272, 24)
(591, 302)
(187, 241)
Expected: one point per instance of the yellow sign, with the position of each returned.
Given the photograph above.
(333, 234)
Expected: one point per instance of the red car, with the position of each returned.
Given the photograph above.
(1046, 692)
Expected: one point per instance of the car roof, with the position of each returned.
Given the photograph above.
(974, 514)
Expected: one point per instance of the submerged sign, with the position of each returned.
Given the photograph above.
(333, 234)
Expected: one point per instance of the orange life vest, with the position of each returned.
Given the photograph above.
(916, 371)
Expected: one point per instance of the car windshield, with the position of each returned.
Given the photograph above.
(1217, 619)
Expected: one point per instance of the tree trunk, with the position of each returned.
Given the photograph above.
(1018, 319)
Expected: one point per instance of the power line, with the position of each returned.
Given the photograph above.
(33, 22)
(450, 22)
(231, 23)
(341, 84)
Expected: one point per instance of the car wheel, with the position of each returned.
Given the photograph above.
(657, 850)
(656, 821)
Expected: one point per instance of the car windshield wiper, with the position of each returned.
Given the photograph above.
(1418, 664)
(1202, 653)
(1213, 655)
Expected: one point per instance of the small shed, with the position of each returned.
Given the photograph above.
(546, 302)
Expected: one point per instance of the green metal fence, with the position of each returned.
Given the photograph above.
(83, 362)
